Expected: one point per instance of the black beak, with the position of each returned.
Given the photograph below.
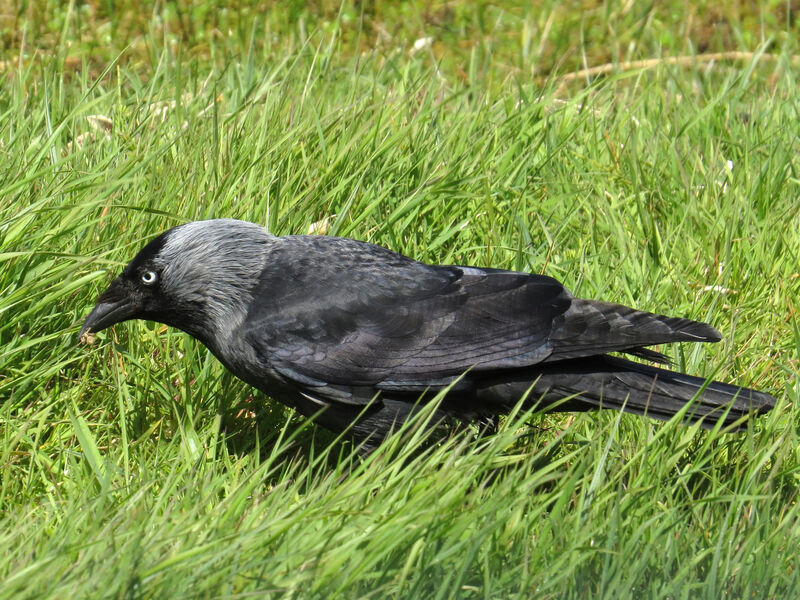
(113, 306)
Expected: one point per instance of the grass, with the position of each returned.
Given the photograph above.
(139, 468)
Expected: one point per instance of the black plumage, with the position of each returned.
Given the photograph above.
(356, 334)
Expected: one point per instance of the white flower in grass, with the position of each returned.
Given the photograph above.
(421, 44)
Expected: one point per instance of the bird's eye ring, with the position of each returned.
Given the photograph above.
(149, 277)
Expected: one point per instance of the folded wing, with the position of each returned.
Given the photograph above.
(344, 319)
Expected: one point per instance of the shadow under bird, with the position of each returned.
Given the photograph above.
(357, 334)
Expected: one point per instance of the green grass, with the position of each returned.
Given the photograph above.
(138, 467)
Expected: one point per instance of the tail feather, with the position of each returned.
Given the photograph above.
(616, 383)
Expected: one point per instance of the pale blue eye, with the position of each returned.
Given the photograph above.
(149, 277)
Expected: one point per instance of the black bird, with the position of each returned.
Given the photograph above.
(357, 334)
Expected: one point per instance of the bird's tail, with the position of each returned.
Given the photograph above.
(616, 383)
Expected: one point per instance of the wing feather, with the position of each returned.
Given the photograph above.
(345, 318)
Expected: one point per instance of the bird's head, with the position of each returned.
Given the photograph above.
(197, 277)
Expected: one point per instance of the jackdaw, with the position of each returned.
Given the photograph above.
(358, 336)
